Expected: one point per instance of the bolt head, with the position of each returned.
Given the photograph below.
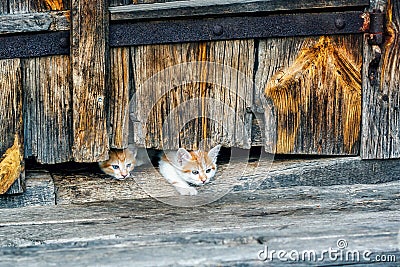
(64, 42)
(218, 30)
(340, 23)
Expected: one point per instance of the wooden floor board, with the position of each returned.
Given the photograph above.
(229, 232)
(83, 186)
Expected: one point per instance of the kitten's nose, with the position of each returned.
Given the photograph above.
(124, 175)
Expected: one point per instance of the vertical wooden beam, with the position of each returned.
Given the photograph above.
(11, 138)
(47, 108)
(381, 97)
(3, 8)
(119, 96)
(88, 58)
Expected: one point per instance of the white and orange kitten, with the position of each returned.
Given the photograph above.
(122, 161)
(182, 168)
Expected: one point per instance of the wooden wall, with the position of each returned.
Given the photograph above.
(21, 127)
(76, 107)
(159, 92)
(232, 94)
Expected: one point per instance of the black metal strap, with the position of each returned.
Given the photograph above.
(132, 33)
(226, 28)
(34, 45)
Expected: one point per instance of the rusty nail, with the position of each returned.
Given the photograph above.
(218, 30)
(340, 23)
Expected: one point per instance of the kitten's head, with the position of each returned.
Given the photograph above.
(120, 163)
(197, 167)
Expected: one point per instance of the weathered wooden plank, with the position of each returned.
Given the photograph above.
(11, 127)
(230, 232)
(19, 185)
(76, 185)
(48, 108)
(3, 7)
(381, 124)
(314, 85)
(223, 7)
(34, 22)
(39, 192)
(120, 2)
(88, 59)
(204, 100)
(27, 6)
(120, 95)
(91, 187)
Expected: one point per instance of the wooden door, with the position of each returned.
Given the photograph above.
(314, 84)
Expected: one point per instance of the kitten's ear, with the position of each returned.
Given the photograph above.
(133, 149)
(213, 153)
(182, 156)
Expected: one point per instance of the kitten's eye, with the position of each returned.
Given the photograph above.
(115, 167)
(195, 172)
(208, 170)
(128, 165)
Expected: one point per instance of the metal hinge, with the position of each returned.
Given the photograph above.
(374, 25)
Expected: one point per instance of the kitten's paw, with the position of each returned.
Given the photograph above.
(187, 191)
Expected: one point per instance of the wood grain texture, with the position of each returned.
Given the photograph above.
(81, 188)
(193, 102)
(316, 93)
(11, 165)
(3, 7)
(39, 192)
(19, 186)
(34, 22)
(120, 94)
(10, 102)
(229, 232)
(48, 109)
(88, 59)
(381, 108)
(28, 6)
(11, 127)
(223, 7)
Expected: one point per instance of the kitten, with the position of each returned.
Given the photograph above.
(183, 167)
(120, 163)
